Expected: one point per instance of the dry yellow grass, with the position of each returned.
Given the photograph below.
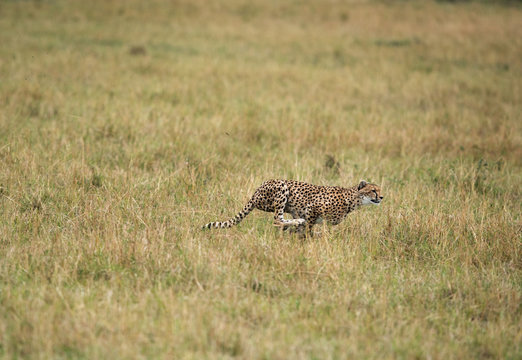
(125, 126)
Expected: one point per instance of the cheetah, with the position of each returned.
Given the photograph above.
(308, 204)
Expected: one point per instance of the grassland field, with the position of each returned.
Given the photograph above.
(126, 125)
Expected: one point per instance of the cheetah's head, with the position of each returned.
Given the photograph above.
(370, 194)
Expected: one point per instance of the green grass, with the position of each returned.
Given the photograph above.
(125, 126)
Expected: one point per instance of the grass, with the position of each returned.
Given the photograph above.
(125, 126)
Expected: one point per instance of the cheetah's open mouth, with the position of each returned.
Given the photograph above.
(376, 201)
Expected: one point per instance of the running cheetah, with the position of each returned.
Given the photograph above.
(308, 204)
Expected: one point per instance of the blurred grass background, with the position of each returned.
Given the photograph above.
(125, 126)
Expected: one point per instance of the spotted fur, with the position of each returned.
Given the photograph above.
(308, 204)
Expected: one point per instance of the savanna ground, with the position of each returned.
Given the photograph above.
(126, 125)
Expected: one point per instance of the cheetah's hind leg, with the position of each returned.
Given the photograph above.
(287, 224)
(279, 205)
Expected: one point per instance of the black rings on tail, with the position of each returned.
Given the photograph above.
(234, 221)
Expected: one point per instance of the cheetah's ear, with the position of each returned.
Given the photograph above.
(362, 184)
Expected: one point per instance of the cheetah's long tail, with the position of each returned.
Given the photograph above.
(231, 222)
